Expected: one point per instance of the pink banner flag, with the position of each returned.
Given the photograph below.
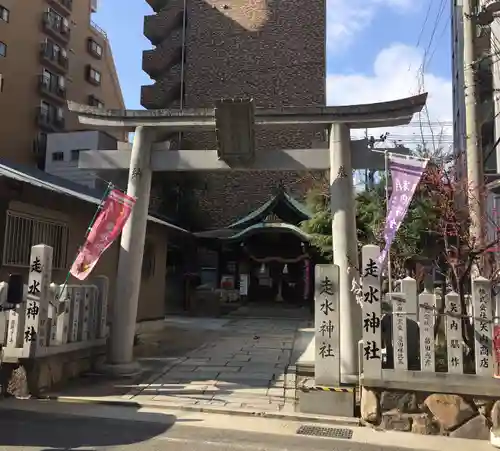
(105, 230)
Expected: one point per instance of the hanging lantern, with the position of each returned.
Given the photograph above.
(285, 269)
(262, 268)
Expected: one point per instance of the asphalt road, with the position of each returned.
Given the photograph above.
(34, 431)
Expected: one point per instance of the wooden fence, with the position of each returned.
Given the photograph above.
(53, 318)
(401, 349)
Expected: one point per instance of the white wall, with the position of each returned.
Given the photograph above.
(67, 146)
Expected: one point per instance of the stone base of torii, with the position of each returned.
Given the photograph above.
(233, 119)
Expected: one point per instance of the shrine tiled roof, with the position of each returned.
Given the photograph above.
(281, 200)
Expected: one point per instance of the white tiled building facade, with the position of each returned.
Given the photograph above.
(63, 150)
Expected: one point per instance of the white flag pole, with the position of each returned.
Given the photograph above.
(386, 161)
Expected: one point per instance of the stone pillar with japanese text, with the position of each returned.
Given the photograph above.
(86, 309)
(76, 314)
(483, 326)
(372, 311)
(409, 288)
(453, 312)
(64, 293)
(53, 311)
(102, 284)
(35, 336)
(399, 330)
(327, 327)
(427, 311)
(15, 320)
(3, 313)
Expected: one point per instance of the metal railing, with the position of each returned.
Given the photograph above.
(98, 29)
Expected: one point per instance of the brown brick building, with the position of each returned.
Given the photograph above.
(270, 50)
(50, 52)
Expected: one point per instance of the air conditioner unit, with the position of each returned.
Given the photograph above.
(93, 6)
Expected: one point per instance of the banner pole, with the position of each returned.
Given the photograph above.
(386, 164)
(89, 228)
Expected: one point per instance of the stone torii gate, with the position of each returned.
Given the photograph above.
(235, 122)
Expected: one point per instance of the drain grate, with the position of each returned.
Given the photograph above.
(318, 431)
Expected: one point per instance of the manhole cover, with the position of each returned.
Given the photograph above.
(325, 432)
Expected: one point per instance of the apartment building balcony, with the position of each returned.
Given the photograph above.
(165, 92)
(157, 27)
(168, 53)
(92, 100)
(65, 7)
(56, 59)
(97, 29)
(52, 89)
(154, 97)
(58, 29)
(49, 121)
(157, 5)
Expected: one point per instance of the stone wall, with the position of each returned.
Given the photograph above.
(430, 413)
(33, 377)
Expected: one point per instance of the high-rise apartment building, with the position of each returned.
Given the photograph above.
(273, 52)
(487, 65)
(50, 52)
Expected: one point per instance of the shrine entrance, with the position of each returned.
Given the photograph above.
(265, 256)
(278, 266)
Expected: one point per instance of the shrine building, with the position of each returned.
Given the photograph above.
(263, 257)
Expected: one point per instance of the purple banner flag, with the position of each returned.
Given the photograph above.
(406, 175)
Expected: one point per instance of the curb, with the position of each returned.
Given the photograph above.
(344, 421)
(321, 388)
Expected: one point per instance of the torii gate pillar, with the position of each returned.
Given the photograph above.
(345, 252)
(131, 253)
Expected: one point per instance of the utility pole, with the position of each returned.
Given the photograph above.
(474, 151)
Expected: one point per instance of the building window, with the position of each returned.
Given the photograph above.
(55, 52)
(41, 143)
(59, 114)
(94, 48)
(45, 109)
(51, 113)
(3, 49)
(56, 21)
(94, 101)
(53, 82)
(57, 156)
(4, 14)
(22, 231)
(93, 75)
(75, 154)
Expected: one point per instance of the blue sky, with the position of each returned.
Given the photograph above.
(372, 49)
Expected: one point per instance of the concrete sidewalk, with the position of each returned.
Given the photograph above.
(245, 368)
(242, 366)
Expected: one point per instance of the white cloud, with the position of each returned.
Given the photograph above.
(394, 76)
(347, 18)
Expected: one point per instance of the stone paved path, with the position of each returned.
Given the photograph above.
(244, 368)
